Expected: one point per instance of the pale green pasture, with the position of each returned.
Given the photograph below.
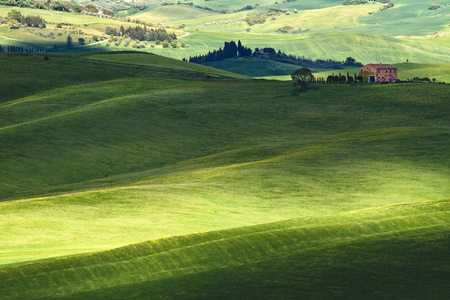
(172, 14)
(315, 20)
(225, 23)
(409, 18)
(336, 17)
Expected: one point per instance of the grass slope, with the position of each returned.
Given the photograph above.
(364, 253)
(168, 150)
(151, 60)
(214, 185)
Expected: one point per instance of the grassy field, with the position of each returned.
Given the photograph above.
(408, 18)
(132, 176)
(175, 14)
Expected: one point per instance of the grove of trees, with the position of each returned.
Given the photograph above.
(15, 17)
(142, 33)
(230, 50)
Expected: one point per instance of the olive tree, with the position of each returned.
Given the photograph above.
(302, 78)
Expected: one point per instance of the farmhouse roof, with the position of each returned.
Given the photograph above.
(382, 66)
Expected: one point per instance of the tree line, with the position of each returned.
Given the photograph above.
(303, 77)
(19, 49)
(142, 33)
(342, 79)
(230, 50)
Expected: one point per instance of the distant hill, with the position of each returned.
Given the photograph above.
(314, 29)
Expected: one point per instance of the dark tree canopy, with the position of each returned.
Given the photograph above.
(302, 77)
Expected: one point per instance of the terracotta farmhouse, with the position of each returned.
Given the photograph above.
(378, 73)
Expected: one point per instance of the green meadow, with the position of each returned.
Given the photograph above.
(134, 176)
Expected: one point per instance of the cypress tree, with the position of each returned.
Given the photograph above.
(69, 41)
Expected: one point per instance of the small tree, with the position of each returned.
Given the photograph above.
(91, 8)
(69, 41)
(302, 78)
(15, 15)
(349, 61)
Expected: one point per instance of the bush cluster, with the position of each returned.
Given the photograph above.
(260, 18)
(285, 29)
(358, 2)
(433, 6)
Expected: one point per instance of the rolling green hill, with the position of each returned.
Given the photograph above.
(127, 175)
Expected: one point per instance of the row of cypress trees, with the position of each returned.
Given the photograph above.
(19, 49)
(230, 50)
